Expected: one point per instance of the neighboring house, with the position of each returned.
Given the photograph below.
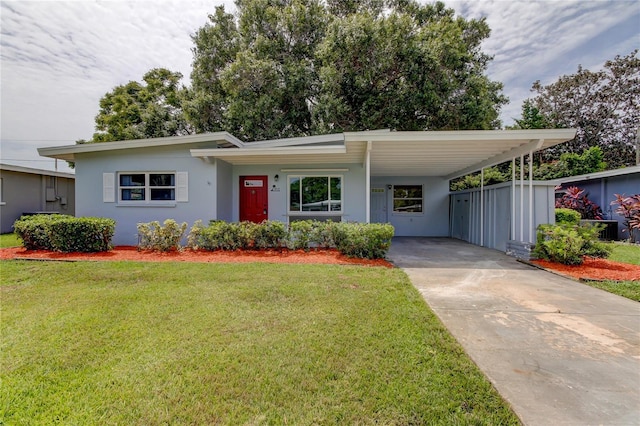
(372, 176)
(602, 187)
(27, 190)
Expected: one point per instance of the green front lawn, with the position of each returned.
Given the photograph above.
(176, 343)
(9, 240)
(625, 252)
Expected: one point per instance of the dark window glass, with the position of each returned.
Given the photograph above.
(163, 194)
(132, 180)
(165, 179)
(407, 198)
(133, 194)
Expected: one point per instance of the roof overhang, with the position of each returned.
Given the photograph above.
(446, 154)
(68, 152)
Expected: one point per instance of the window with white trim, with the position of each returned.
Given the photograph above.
(147, 187)
(407, 199)
(310, 195)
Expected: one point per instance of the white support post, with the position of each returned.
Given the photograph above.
(522, 198)
(482, 207)
(531, 239)
(367, 168)
(513, 198)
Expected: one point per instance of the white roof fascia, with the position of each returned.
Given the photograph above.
(299, 150)
(67, 152)
(463, 135)
(21, 169)
(303, 140)
(597, 175)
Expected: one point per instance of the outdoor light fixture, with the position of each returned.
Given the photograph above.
(276, 177)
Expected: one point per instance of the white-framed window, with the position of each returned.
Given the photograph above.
(146, 187)
(315, 194)
(407, 199)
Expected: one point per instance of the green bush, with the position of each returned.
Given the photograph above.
(84, 234)
(299, 235)
(370, 241)
(33, 230)
(153, 236)
(568, 216)
(65, 233)
(220, 235)
(268, 234)
(568, 244)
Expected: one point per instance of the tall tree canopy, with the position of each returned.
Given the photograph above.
(142, 110)
(282, 68)
(603, 106)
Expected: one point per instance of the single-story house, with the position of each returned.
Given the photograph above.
(372, 176)
(602, 187)
(26, 190)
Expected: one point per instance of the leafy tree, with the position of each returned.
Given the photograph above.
(602, 106)
(572, 164)
(142, 110)
(281, 68)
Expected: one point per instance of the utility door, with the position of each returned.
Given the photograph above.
(379, 205)
(254, 198)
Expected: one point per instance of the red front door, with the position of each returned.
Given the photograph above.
(254, 195)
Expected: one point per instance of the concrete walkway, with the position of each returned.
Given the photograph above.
(560, 352)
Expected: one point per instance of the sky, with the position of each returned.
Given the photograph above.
(57, 59)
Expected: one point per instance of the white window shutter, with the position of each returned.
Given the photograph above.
(182, 187)
(109, 187)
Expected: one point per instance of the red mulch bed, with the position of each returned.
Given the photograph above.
(595, 269)
(132, 253)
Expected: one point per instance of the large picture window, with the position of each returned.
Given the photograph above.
(147, 187)
(315, 194)
(407, 198)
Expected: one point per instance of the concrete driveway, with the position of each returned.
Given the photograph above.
(560, 352)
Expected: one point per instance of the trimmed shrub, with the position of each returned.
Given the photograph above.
(65, 233)
(84, 234)
(33, 230)
(567, 216)
(368, 241)
(268, 234)
(220, 235)
(153, 236)
(568, 244)
(299, 235)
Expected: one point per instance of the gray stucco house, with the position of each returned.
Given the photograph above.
(27, 190)
(602, 188)
(371, 176)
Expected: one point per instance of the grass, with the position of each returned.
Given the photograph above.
(625, 253)
(628, 289)
(9, 240)
(159, 343)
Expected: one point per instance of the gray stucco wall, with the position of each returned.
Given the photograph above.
(201, 188)
(353, 192)
(434, 219)
(27, 192)
(497, 214)
(602, 191)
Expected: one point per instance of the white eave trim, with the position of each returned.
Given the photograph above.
(260, 152)
(463, 135)
(68, 152)
(597, 175)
